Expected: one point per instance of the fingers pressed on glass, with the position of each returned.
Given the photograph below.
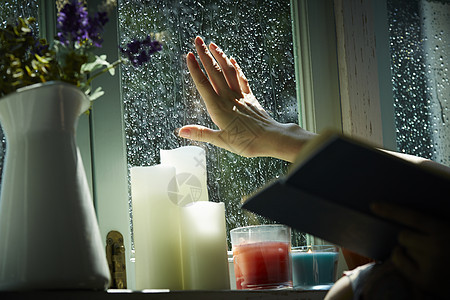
(243, 82)
(203, 134)
(202, 83)
(212, 68)
(229, 71)
(197, 133)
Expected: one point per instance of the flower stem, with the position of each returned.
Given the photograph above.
(112, 66)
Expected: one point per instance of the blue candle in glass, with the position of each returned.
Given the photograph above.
(314, 266)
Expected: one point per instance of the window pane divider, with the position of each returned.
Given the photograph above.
(109, 160)
(316, 64)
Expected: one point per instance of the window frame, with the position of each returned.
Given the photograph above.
(108, 149)
(316, 65)
(367, 99)
(386, 95)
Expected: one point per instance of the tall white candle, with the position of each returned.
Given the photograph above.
(156, 226)
(190, 165)
(204, 246)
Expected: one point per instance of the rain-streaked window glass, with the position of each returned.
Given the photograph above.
(9, 12)
(420, 59)
(162, 97)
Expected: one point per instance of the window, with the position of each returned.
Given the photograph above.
(166, 81)
(162, 97)
(16, 8)
(420, 49)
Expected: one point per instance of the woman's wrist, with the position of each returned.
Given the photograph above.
(288, 140)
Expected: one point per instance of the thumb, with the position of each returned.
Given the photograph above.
(198, 133)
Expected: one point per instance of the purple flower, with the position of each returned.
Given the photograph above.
(142, 58)
(134, 47)
(72, 23)
(139, 52)
(96, 27)
(39, 48)
(75, 25)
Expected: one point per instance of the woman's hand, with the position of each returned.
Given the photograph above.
(244, 126)
(422, 254)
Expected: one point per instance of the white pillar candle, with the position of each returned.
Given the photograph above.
(156, 226)
(190, 165)
(204, 246)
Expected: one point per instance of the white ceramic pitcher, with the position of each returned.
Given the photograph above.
(49, 235)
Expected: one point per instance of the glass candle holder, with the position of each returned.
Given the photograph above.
(261, 257)
(314, 267)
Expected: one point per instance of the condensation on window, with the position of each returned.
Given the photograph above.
(162, 97)
(9, 12)
(420, 58)
(12, 9)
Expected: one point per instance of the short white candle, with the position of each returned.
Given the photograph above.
(204, 246)
(156, 228)
(190, 165)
